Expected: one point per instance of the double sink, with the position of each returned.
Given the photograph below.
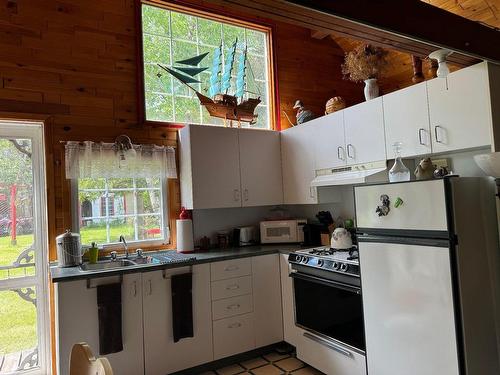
(108, 264)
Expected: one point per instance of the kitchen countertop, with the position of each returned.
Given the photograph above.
(215, 255)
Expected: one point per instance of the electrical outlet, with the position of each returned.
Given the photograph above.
(439, 163)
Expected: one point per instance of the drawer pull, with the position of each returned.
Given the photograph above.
(232, 287)
(234, 325)
(231, 268)
(233, 306)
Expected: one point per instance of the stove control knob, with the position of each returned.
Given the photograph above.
(335, 266)
(344, 267)
(304, 260)
(320, 262)
(298, 258)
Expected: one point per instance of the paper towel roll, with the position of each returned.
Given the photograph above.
(185, 243)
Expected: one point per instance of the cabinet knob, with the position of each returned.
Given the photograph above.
(349, 147)
(340, 153)
(436, 133)
(233, 306)
(420, 138)
(234, 325)
(245, 194)
(236, 195)
(232, 287)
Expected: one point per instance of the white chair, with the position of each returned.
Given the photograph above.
(83, 362)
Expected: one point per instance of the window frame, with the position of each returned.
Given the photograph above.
(212, 14)
(132, 244)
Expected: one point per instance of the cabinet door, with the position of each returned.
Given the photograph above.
(77, 321)
(267, 300)
(364, 132)
(329, 141)
(406, 117)
(260, 167)
(215, 167)
(297, 155)
(162, 355)
(291, 333)
(460, 109)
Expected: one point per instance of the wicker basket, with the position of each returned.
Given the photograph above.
(334, 104)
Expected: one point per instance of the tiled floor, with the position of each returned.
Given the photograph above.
(273, 363)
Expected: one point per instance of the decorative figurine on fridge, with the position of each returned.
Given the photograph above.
(425, 169)
(303, 114)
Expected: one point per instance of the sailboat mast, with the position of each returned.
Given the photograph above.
(228, 67)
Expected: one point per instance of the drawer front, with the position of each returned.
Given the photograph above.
(228, 307)
(231, 288)
(316, 352)
(233, 335)
(231, 268)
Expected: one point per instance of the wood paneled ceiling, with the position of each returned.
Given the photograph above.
(486, 12)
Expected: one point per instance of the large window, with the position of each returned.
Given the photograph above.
(170, 36)
(132, 207)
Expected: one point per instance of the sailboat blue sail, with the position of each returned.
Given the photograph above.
(240, 75)
(215, 72)
(228, 67)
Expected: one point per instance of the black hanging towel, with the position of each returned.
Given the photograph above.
(182, 306)
(109, 304)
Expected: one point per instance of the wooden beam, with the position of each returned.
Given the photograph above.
(286, 11)
(318, 34)
(416, 20)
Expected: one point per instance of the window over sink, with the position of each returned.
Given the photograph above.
(133, 207)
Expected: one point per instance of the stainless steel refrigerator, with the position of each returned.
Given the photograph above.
(429, 261)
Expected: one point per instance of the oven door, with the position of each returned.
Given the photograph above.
(331, 308)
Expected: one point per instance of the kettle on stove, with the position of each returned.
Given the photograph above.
(341, 239)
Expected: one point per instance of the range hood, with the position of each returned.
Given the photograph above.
(354, 174)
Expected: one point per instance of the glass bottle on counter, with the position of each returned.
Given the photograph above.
(398, 172)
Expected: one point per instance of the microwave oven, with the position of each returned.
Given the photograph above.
(282, 231)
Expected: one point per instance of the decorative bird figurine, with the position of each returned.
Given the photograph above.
(303, 115)
(425, 169)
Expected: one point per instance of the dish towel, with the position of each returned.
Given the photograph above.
(109, 304)
(182, 306)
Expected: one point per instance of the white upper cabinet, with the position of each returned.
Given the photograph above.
(406, 115)
(260, 165)
(229, 167)
(364, 132)
(460, 109)
(297, 155)
(329, 141)
(209, 167)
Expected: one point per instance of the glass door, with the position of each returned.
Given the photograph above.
(24, 319)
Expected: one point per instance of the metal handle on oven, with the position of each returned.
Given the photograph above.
(320, 280)
(328, 344)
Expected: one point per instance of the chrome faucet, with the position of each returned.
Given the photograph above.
(125, 246)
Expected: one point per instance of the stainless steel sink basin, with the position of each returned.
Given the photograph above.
(106, 265)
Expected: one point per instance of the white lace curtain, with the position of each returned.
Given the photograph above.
(106, 160)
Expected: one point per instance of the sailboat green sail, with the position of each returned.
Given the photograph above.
(220, 103)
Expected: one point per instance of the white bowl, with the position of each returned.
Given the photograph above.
(489, 163)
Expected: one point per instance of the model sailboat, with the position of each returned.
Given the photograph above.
(219, 103)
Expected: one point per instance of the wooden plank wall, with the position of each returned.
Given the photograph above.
(73, 62)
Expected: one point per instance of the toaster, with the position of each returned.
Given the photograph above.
(245, 236)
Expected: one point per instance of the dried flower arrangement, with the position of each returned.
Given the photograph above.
(364, 62)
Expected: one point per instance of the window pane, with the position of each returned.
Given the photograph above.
(18, 330)
(155, 20)
(159, 107)
(183, 26)
(256, 41)
(149, 227)
(91, 183)
(156, 79)
(149, 202)
(156, 49)
(151, 183)
(120, 183)
(258, 68)
(187, 110)
(121, 226)
(93, 231)
(209, 32)
(231, 33)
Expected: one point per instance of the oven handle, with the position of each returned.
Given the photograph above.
(332, 283)
(328, 344)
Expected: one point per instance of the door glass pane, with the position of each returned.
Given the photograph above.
(18, 330)
(16, 209)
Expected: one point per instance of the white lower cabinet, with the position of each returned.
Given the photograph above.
(162, 354)
(77, 321)
(233, 335)
(339, 361)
